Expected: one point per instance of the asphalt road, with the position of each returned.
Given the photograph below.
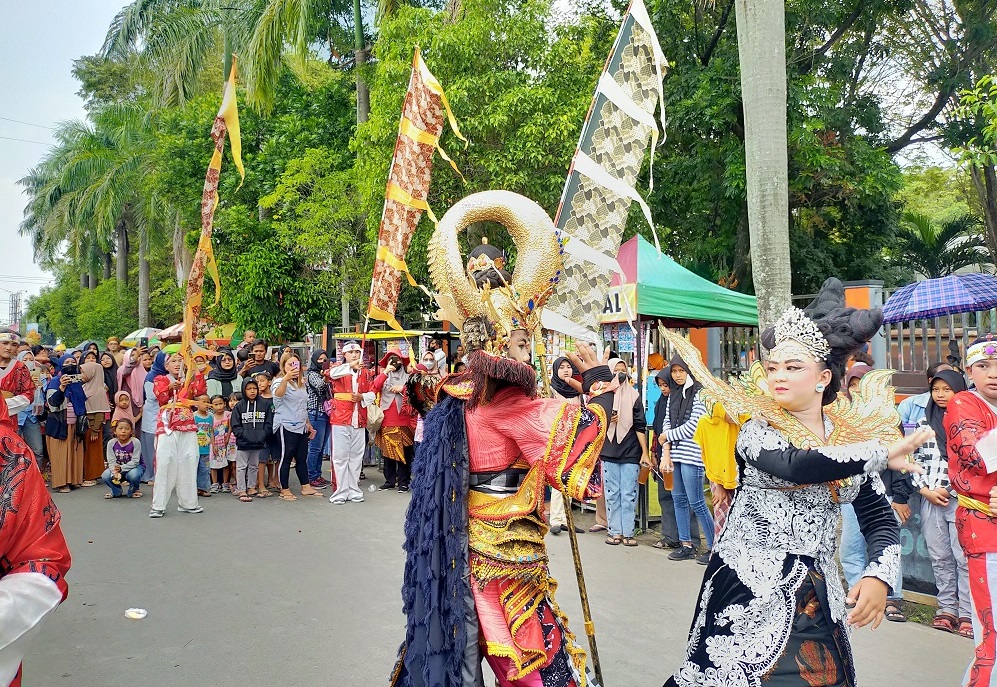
(307, 593)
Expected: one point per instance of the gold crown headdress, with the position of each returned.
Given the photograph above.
(512, 305)
(795, 329)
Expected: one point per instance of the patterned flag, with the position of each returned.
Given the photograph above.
(600, 189)
(408, 186)
(227, 120)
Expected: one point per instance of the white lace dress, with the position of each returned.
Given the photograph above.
(771, 608)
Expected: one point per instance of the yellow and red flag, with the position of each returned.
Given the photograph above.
(423, 117)
(227, 120)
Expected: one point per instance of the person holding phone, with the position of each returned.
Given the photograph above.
(353, 392)
(318, 394)
(396, 437)
(292, 428)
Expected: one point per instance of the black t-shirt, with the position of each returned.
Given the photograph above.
(266, 366)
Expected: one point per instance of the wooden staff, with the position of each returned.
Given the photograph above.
(573, 538)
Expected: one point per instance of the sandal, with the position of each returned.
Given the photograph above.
(263, 494)
(63, 490)
(287, 497)
(246, 498)
(110, 496)
(629, 541)
(946, 622)
(965, 628)
(311, 493)
(597, 528)
(894, 614)
(137, 495)
(614, 541)
(90, 483)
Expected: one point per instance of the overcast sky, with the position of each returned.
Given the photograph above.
(41, 40)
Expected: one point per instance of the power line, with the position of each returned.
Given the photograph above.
(24, 140)
(18, 121)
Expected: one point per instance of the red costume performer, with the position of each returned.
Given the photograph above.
(353, 394)
(34, 558)
(396, 437)
(970, 421)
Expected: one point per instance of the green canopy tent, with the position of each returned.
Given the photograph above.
(657, 287)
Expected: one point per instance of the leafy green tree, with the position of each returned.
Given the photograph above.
(934, 250)
(105, 311)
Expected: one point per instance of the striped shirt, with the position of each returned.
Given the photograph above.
(683, 448)
(936, 466)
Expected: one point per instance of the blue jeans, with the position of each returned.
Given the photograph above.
(316, 447)
(854, 556)
(620, 486)
(31, 432)
(687, 491)
(133, 477)
(203, 472)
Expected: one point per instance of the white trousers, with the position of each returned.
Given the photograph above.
(556, 514)
(348, 444)
(176, 467)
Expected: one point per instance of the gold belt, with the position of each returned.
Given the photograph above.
(343, 397)
(973, 504)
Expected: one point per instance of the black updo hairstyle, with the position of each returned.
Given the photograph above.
(846, 330)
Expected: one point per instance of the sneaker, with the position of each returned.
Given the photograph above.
(385, 487)
(684, 553)
(402, 490)
(156, 514)
(226, 488)
(704, 558)
(555, 529)
(337, 502)
(215, 488)
(318, 484)
(356, 499)
(195, 509)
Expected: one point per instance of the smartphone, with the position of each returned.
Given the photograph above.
(144, 342)
(295, 365)
(74, 378)
(326, 365)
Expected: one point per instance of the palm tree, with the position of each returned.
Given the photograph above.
(761, 44)
(89, 193)
(934, 251)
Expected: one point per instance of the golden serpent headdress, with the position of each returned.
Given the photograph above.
(489, 313)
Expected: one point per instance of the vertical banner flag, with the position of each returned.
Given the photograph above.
(600, 189)
(408, 186)
(227, 120)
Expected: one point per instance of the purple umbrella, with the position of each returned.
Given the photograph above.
(956, 293)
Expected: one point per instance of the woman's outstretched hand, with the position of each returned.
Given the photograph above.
(899, 450)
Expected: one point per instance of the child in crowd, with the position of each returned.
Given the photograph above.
(267, 478)
(123, 410)
(221, 432)
(938, 511)
(205, 431)
(252, 425)
(233, 401)
(123, 461)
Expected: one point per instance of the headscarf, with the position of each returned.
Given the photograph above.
(623, 406)
(158, 367)
(97, 400)
(123, 412)
(661, 406)
(74, 392)
(225, 377)
(933, 413)
(680, 399)
(560, 386)
(316, 366)
(857, 371)
(110, 374)
(397, 378)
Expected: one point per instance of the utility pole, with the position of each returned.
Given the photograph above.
(15, 311)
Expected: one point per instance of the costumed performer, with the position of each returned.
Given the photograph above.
(396, 436)
(476, 582)
(970, 421)
(34, 557)
(352, 387)
(772, 609)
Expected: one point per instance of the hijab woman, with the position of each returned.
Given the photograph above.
(65, 401)
(224, 379)
(564, 387)
(98, 408)
(772, 609)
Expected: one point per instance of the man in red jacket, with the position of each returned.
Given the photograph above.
(176, 440)
(970, 424)
(353, 391)
(15, 378)
(34, 558)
